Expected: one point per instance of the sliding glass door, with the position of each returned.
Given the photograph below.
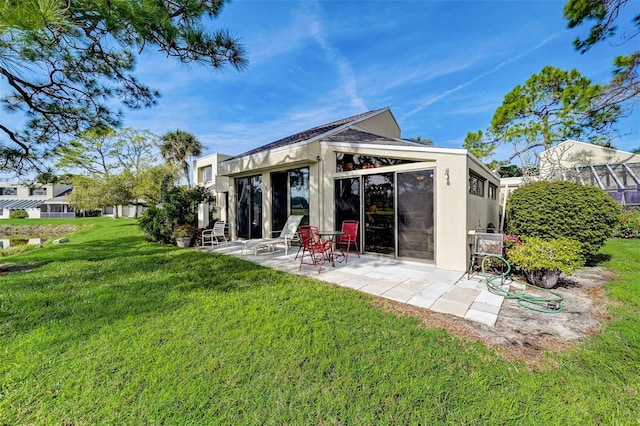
(415, 214)
(290, 194)
(279, 199)
(347, 200)
(249, 207)
(396, 211)
(379, 213)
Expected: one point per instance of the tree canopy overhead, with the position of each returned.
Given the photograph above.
(65, 61)
(550, 107)
(604, 17)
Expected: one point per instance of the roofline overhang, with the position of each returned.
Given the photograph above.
(406, 148)
(606, 148)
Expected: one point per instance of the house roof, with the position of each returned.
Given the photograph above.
(19, 204)
(354, 135)
(60, 199)
(312, 133)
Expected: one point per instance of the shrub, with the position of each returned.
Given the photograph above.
(179, 207)
(551, 210)
(156, 225)
(628, 225)
(536, 257)
(92, 213)
(19, 214)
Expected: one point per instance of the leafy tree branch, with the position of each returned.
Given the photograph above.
(603, 15)
(550, 107)
(65, 61)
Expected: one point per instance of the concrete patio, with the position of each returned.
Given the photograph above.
(414, 283)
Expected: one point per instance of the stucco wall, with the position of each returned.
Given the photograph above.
(383, 124)
(210, 160)
(454, 211)
(24, 191)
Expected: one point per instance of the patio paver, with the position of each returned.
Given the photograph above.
(414, 283)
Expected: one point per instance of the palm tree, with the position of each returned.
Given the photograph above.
(177, 146)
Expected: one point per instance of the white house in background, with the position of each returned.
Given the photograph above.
(39, 200)
(411, 200)
(205, 173)
(615, 171)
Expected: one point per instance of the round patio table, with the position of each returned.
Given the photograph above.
(333, 235)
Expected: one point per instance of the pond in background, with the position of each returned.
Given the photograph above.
(16, 242)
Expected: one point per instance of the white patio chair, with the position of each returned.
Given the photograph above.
(288, 234)
(216, 235)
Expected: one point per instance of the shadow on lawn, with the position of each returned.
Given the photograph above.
(86, 286)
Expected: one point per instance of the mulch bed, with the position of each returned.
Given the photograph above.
(524, 334)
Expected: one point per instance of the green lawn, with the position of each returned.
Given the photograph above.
(109, 329)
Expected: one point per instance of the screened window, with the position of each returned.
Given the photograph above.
(205, 174)
(476, 185)
(347, 162)
(493, 191)
(38, 191)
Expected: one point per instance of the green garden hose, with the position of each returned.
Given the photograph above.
(502, 285)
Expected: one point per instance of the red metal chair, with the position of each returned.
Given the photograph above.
(318, 251)
(349, 238)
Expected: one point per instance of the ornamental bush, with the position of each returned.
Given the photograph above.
(629, 225)
(179, 207)
(550, 210)
(156, 225)
(19, 214)
(536, 258)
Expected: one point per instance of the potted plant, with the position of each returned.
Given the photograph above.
(542, 261)
(183, 234)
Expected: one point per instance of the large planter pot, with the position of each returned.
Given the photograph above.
(183, 242)
(545, 278)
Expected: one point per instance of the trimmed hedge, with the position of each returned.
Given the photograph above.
(19, 214)
(535, 257)
(550, 210)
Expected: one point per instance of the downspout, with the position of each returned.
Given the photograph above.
(504, 207)
(321, 217)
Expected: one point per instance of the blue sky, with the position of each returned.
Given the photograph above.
(443, 67)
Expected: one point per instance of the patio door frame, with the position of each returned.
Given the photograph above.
(253, 207)
(362, 230)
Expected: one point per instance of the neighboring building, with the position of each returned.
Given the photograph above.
(39, 200)
(412, 201)
(205, 171)
(128, 210)
(617, 172)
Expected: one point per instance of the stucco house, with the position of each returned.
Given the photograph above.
(412, 200)
(39, 200)
(205, 170)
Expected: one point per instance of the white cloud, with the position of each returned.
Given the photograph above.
(310, 13)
